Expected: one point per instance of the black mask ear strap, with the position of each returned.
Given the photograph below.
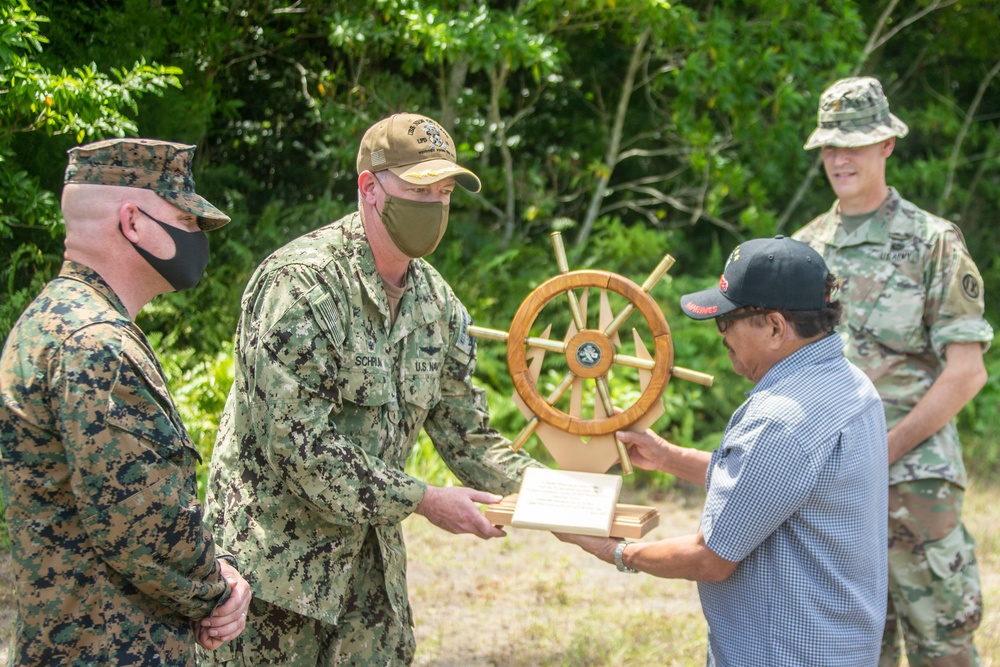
(184, 269)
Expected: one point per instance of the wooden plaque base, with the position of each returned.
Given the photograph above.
(631, 521)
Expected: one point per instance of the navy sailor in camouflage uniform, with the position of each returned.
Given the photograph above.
(913, 321)
(111, 562)
(349, 344)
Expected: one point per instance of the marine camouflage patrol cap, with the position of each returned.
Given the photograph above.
(778, 274)
(854, 112)
(161, 166)
(416, 149)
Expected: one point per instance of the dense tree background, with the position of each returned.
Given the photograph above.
(635, 127)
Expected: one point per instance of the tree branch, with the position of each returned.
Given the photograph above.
(871, 48)
(611, 155)
(876, 41)
(957, 146)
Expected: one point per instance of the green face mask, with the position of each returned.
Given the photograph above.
(416, 227)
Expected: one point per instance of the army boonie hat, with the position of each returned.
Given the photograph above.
(415, 148)
(161, 166)
(778, 274)
(854, 112)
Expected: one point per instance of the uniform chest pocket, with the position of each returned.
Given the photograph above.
(422, 388)
(367, 386)
(894, 317)
(423, 360)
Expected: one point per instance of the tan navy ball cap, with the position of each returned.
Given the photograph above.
(161, 166)
(854, 112)
(415, 148)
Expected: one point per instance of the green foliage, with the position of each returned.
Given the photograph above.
(979, 423)
(424, 463)
(83, 103)
(80, 102)
(199, 389)
(701, 150)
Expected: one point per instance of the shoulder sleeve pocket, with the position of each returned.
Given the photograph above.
(140, 405)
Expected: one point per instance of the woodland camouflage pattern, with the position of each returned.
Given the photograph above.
(111, 563)
(161, 166)
(909, 288)
(326, 406)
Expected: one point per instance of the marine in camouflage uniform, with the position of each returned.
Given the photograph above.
(333, 383)
(111, 563)
(910, 291)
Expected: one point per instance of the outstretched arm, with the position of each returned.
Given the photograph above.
(685, 557)
(651, 452)
(454, 509)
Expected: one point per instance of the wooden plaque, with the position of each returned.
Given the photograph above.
(630, 522)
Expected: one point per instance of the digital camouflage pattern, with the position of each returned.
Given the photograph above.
(161, 166)
(111, 563)
(909, 288)
(368, 630)
(937, 600)
(327, 403)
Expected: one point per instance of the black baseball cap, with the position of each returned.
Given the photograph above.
(779, 274)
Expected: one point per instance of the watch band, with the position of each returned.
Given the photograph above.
(619, 563)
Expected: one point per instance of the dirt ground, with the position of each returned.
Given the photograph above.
(519, 600)
(528, 600)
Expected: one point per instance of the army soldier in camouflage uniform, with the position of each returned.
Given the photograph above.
(348, 345)
(111, 563)
(914, 323)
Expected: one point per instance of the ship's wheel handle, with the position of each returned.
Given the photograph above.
(590, 352)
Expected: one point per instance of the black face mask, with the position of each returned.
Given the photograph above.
(184, 269)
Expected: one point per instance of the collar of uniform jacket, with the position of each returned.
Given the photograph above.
(71, 270)
(417, 307)
(874, 230)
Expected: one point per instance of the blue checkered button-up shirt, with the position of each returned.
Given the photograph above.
(797, 494)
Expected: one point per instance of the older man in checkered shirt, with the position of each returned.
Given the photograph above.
(790, 555)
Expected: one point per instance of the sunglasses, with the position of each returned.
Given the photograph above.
(722, 321)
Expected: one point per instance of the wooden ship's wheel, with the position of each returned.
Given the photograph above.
(589, 356)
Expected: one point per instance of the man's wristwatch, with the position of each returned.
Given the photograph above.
(619, 563)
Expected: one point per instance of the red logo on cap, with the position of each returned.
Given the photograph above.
(701, 310)
(723, 283)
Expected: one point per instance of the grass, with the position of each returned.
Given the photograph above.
(981, 502)
(530, 600)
